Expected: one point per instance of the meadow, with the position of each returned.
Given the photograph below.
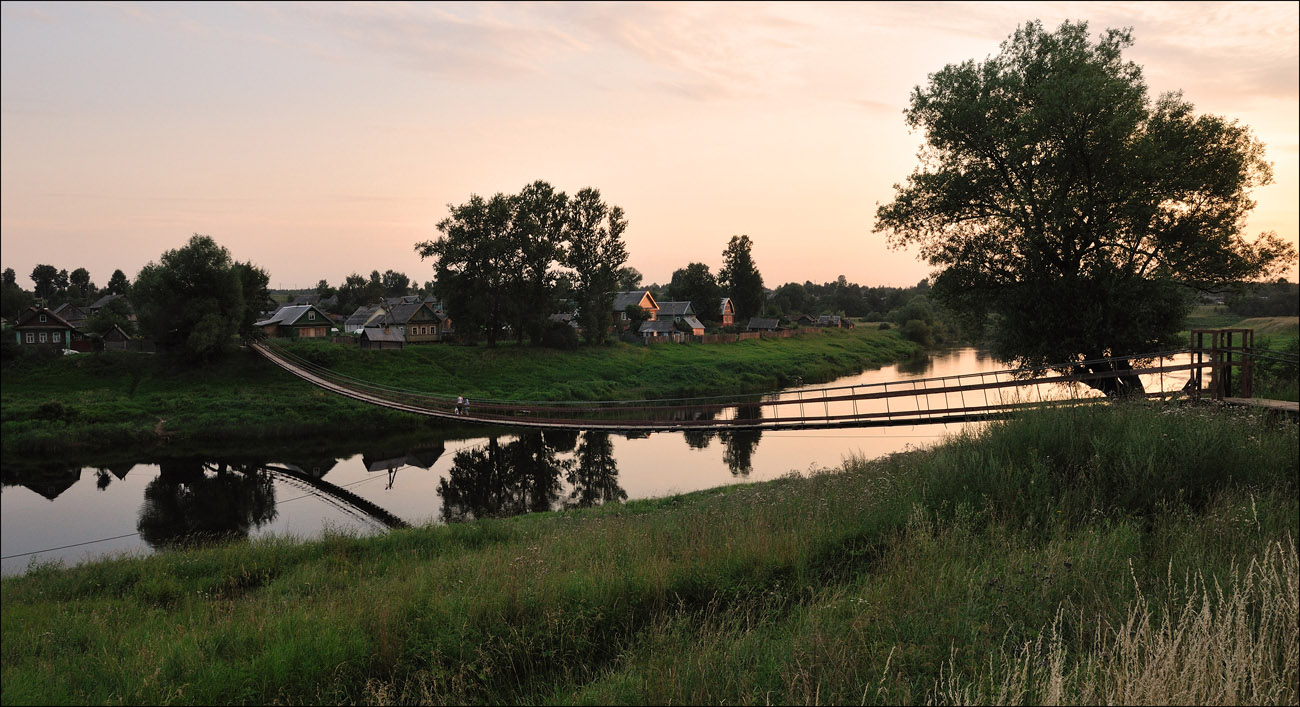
(1124, 553)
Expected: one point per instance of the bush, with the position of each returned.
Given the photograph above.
(918, 331)
(884, 326)
(559, 335)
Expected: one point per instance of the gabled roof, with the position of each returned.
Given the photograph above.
(31, 314)
(725, 305)
(362, 315)
(105, 300)
(290, 314)
(675, 309)
(661, 326)
(761, 323)
(379, 333)
(402, 313)
(692, 322)
(637, 297)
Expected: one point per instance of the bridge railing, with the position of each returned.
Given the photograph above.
(940, 399)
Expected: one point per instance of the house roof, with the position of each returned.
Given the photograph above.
(661, 326)
(290, 314)
(726, 304)
(630, 297)
(31, 313)
(402, 313)
(692, 322)
(105, 300)
(362, 315)
(675, 309)
(761, 323)
(379, 333)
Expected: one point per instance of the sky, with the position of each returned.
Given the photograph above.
(318, 140)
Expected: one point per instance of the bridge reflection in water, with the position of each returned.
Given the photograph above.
(948, 399)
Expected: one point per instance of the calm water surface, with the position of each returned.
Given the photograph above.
(73, 514)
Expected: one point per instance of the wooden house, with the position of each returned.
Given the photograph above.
(641, 298)
(834, 320)
(681, 312)
(299, 321)
(363, 317)
(727, 312)
(38, 326)
(416, 322)
(660, 329)
(762, 324)
(380, 337)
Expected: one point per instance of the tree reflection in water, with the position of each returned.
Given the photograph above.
(740, 443)
(524, 476)
(595, 477)
(186, 505)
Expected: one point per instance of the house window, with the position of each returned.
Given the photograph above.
(311, 315)
(43, 339)
(623, 316)
(42, 318)
(31, 338)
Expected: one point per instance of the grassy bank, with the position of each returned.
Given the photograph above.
(1121, 553)
(97, 402)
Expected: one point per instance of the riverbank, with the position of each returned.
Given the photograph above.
(93, 404)
(1071, 555)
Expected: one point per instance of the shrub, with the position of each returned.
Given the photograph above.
(559, 335)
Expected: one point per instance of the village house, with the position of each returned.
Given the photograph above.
(299, 321)
(660, 329)
(381, 337)
(641, 298)
(762, 324)
(727, 311)
(681, 312)
(363, 317)
(416, 322)
(834, 320)
(806, 320)
(38, 326)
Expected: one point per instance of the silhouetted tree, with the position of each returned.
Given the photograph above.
(1056, 197)
(740, 280)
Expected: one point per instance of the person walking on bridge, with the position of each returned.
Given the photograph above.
(460, 404)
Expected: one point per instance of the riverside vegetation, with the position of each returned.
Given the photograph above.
(94, 403)
(1127, 553)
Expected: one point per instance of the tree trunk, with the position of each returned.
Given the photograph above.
(1119, 380)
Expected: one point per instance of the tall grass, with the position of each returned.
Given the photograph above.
(921, 577)
(1206, 644)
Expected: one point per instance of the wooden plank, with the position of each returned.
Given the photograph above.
(1283, 405)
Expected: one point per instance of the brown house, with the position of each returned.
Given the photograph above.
(727, 311)
(641, 298)
(38, 326)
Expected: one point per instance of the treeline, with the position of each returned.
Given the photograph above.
(1264, 299)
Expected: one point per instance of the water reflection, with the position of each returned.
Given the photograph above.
(594, 478)
(741, 444)
(191, 502)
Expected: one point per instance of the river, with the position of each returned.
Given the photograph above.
(72, 514)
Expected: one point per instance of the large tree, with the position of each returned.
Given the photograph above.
(740, 279)
(475, 263)
(1067, 209)
(44, 276)
(695, 284)
(596, 253)
(117, 284)
(82, 287)
(540, 229)
(195, 299)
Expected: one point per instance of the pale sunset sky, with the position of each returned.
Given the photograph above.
(317, 140)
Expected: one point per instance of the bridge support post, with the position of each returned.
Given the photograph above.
(1227, 349)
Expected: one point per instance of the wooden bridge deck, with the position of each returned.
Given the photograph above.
(1280, 405)
(951, 399)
